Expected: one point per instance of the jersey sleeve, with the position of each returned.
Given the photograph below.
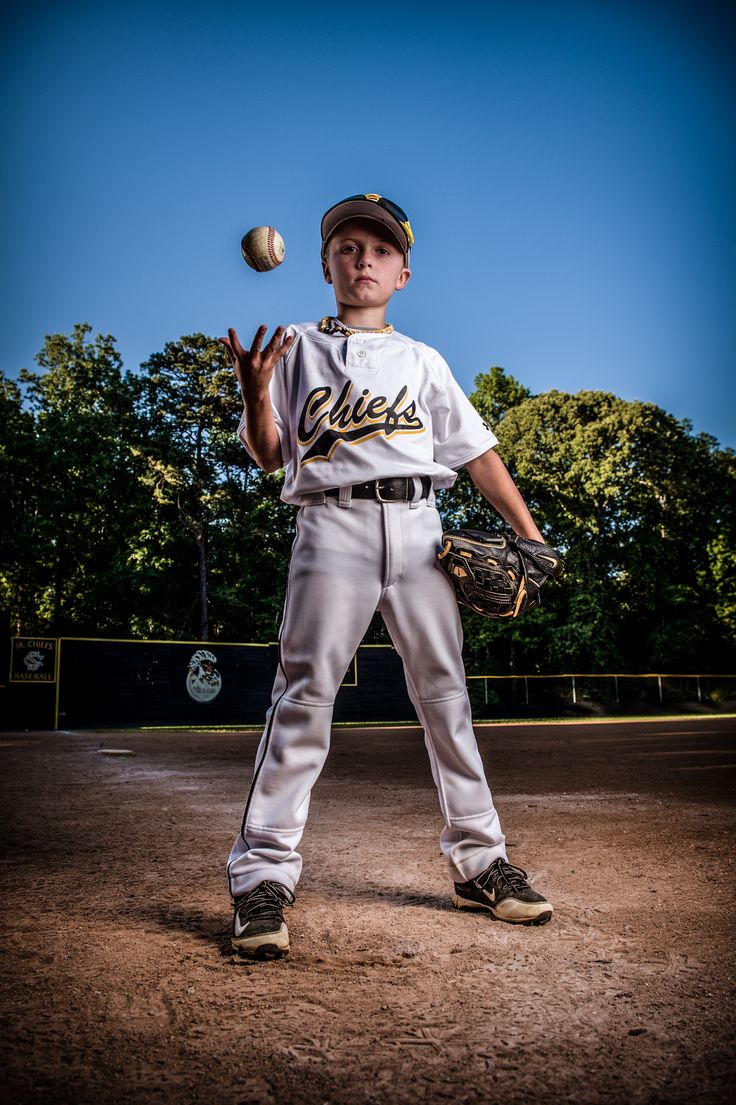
(459, 433)
(280, 406)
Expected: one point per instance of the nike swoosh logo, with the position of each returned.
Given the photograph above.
(239, 929)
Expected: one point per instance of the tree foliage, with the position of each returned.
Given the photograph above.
(17, 503)
(213, 508)
(76, 503)
(641, 508)
(129, 506)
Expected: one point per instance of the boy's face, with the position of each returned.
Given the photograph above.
(364, 263)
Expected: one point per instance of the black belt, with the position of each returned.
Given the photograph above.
(393, 489)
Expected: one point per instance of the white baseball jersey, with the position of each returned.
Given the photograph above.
(369, 406)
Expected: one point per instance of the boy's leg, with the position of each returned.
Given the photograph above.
(334, 588)
(421, 614)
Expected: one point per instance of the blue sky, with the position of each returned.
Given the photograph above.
(568, 169)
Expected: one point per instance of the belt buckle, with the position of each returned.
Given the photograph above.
(377, 486)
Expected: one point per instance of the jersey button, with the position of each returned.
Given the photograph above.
(361, 352)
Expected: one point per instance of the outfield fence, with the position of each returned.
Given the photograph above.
(83, 683)
(602, 690)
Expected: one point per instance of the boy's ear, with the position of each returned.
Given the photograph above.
(326, 271)
(403, 279)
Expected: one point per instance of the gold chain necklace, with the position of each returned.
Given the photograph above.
(332, 325)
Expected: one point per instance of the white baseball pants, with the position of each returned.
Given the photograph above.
(348, 560)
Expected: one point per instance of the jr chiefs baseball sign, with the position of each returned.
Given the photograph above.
(33, 660)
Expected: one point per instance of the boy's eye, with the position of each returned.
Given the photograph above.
(351, 247)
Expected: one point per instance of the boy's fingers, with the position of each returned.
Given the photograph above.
(276, 348)
(258, 339)
(230, 350)
(233, 344)
(275, 338)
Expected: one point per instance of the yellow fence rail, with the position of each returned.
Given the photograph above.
(612, 685)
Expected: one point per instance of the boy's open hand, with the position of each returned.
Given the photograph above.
(254, 367)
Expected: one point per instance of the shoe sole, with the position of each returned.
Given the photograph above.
(262, 952)
(467, 903)
(264, 945)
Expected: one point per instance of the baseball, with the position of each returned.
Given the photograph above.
(263, 248)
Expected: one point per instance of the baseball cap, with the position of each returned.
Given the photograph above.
(369, 206)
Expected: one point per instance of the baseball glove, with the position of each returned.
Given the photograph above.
(496, 575)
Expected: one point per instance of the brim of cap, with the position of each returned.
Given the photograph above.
(363, 209)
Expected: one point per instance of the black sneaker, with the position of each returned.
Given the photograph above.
(259, 930)
(503, 891)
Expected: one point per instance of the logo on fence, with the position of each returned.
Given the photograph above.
(33, 660)
(204, 681)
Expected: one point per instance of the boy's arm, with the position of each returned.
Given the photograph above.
(491, 477)
(254, 369)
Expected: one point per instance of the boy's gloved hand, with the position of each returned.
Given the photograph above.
(497, 575)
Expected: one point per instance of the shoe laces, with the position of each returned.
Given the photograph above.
(268, 899)
(505, 876)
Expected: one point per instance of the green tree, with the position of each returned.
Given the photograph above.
(205, 488)
(717, 572)
(76, 514)
(633, 497)
(636, 502)
(496, 393)
(18, 507)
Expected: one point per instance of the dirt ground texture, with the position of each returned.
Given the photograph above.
(120, 985)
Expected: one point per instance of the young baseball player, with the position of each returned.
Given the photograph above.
(367, 424)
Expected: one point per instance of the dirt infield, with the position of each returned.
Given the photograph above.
(120, 986)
